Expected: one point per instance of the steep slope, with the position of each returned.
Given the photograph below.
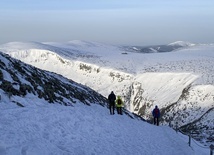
(143, 80)
(19, 80)
(31, 125)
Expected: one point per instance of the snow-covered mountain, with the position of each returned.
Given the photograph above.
(181, 82)
(19, 80)
(160, 48)
(44, 113)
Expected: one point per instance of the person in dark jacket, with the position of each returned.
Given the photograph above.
(112, 99)
(156, 115)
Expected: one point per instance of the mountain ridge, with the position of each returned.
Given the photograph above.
(160, 48)
(45, 113)
(143, 80)
(46, 85)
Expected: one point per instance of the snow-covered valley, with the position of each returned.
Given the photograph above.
(180, 82)
(45, 113)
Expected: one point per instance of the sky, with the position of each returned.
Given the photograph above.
(123, 22)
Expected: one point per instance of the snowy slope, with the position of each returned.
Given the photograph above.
(30, 125)
(171, 80)
(19, 79)
(42, 128)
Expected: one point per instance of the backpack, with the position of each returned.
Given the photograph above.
(119, 102)
(156, 112)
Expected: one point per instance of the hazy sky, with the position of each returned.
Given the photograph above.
(131, 22)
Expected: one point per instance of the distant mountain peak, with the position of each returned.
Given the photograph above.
(181, 43)
(24, 45)
(83, 43)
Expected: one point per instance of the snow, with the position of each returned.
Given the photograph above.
(158, 73)
(42, 128)
(162, 84)
(181, 43)
(160, 77)
(7, 75)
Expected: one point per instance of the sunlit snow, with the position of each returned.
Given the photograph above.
(159, 78)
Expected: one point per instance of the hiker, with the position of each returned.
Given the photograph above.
(112, 99)
(156, 115)
(119, 105)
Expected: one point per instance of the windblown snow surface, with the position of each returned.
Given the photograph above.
(184, 76)
(157, 78)
(41, 128)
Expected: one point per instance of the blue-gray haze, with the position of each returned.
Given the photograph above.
(136, 22)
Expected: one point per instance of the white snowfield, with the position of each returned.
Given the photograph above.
(161, 76)
(41, 128)
(103, 60)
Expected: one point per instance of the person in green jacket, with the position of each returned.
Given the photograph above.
(119, 105)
